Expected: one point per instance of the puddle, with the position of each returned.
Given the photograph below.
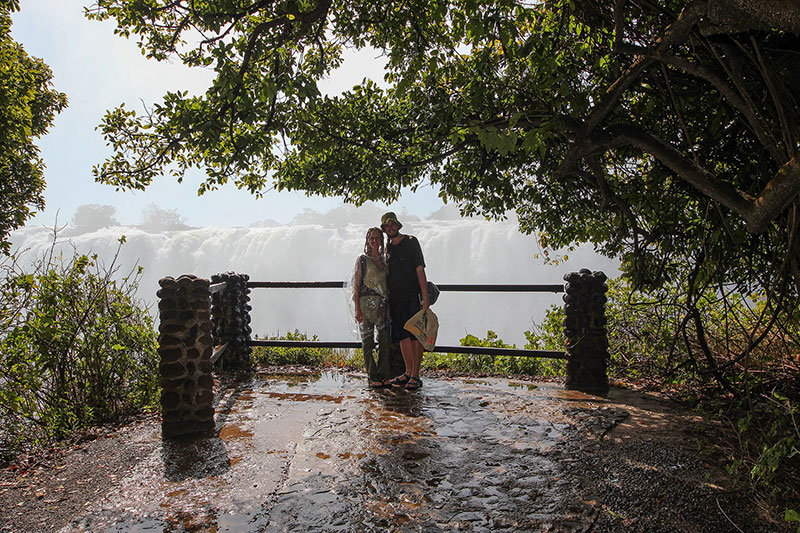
(527, 386)
(320, 382)
(234, 432)
(192, 522)
(301, 397)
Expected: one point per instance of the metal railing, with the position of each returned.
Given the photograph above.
(445, 287)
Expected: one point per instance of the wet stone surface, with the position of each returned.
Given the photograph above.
(450, 456)
(300, 453)
(321, 452)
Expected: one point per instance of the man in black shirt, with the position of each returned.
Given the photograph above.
(408, 293)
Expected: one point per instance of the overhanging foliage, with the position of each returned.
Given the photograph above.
(665, 132)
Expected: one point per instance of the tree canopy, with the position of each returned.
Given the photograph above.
(28, 105)
(664, 131)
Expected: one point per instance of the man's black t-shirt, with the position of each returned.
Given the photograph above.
(403, 260)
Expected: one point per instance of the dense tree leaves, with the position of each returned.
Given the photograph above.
(665, 132)
(28, 105)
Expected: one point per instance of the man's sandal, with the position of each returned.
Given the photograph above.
(400, 381)
(413, 383)
(377, 384)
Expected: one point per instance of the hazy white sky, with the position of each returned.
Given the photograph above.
(98, 71)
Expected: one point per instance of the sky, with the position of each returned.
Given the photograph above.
(98, 71)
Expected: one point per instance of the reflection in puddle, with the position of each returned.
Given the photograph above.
(300, 397)
(207, 520)
(528, 386)
(198, 457)
(320, 382)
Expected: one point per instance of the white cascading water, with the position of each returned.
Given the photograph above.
(456, 251)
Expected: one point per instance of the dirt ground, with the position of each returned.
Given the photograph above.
(661, 468)
(630, 461)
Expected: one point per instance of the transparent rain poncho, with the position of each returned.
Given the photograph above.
(372, 297)
(369, 279)
(372, 289)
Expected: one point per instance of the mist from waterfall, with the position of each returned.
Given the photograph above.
(324, 247)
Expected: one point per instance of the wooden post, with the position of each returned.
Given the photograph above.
(185, 346)
(585, 331)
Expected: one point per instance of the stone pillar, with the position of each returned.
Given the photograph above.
(230, 318)
(185, 346)
(585, 331)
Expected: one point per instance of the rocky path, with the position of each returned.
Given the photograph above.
(320, 452)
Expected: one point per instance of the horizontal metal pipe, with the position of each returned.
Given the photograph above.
(295, 284)
(470, 350)
(466, 287)
(456, 287)
(216, 287)
(513, 352)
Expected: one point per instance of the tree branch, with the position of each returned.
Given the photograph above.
(727, 92)
(675, 33)
(756, 212)
(306, 19)
(731, 16)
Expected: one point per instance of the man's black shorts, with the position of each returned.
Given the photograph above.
(400, 313)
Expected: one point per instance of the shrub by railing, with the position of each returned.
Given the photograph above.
(76, 348)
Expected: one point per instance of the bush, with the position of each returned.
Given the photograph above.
(549, 336)
(492, 364)
(268, 355)
(76, 349)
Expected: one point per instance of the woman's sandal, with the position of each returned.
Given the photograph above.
(400, 381)
(413, 383)
(377, 384)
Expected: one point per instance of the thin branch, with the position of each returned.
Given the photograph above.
(780, 110)
(702, 340)
(744, 106)
(605, 190)
(619, 22)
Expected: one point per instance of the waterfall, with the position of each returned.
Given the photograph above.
(456, 251)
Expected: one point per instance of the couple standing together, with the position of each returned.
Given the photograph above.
(391, 279)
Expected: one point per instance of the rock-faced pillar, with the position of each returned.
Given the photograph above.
(585, 331)
(185, 348)
(230, 317)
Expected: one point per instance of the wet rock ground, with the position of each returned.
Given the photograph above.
(321, 452)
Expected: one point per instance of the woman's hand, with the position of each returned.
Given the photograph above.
(359, 315)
